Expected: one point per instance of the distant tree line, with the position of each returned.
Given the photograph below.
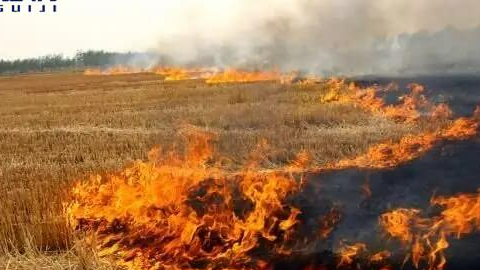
(55, 62)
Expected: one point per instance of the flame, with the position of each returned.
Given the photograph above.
(425, 237)
(348, 252)
(236, 75)
(328, 222)
(179, 212)
(187, 212)
(380, 256)
(410, 147)
(411, 107)
(182, 74)
(461, 214)
(209, 75)
(169, 73)
(398, 223)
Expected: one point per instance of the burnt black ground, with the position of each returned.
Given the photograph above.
(461, 92)
(449, 168)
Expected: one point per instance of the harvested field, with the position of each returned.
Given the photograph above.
(58, 128)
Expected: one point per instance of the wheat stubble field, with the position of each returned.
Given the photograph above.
(59, 128)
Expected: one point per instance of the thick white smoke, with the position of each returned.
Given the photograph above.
(325, 36)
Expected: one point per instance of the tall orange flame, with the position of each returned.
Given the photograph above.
(179, 212)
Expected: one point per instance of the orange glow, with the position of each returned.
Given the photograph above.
(348, 252)
(235, 75)
(461, 214)
(328, 223)
(209, 75)
(380, 256)
(398, 223)
(182, 74)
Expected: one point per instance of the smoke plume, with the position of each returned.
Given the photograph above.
(341, 37)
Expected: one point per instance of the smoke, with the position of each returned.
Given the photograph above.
(342, 37)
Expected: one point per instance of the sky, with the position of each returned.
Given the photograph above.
(116, 25)
(333, 31)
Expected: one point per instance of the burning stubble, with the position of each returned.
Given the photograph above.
(184, 211)
(186, 207)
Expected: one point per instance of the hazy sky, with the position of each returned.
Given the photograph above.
(82, 24)
(122, 25)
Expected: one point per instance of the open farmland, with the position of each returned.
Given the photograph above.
(58, 128)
